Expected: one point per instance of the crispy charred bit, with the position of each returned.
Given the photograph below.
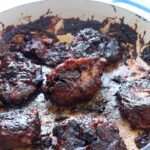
(123, 32)
(19, 128)
(87, 133)
(89, 43)
(19, 79)
(134, 102)
(145, 55)
(75, 80)
(42, 51)
(73, 25)
(142, 139)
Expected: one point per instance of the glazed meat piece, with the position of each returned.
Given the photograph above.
(19, 128)
(90, 42)
(75, 80)
(123, 32)
(145, 55)
(44, 52)
(87, 133)
(134, 102)
(19, 80)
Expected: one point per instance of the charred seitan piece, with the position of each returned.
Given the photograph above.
(19, 79)
(19, 128)
(75, 80)
(87, 133)
(134, 102)
(43, 51)
(90, 42)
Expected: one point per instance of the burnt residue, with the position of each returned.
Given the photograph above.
(141, 40)
(124, 33)
(134, 53)
(141, 18)
(143, 139)
(73, 25)
(136, 26)
(114, 8)
(39, 25)
(144, 33)
(122, 20)
(48, 12)
(145, 55)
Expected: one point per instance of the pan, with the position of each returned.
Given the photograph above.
(87, 9)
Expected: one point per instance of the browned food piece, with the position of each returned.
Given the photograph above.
(87, 134)
(134, 102)
(75, 80)
(19, 128)
(90, 43)
(44, 52)
(145, 55)
(19, 79)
